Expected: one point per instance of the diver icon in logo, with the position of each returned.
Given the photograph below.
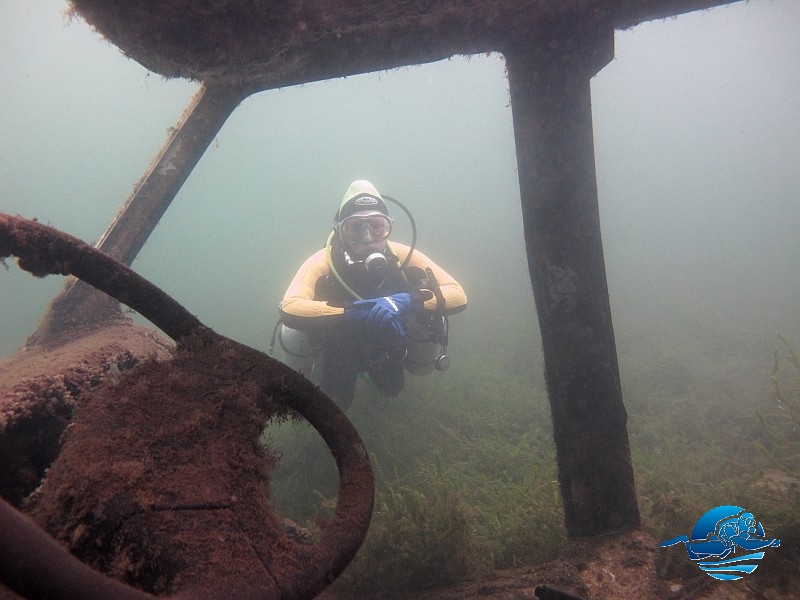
(717, 534)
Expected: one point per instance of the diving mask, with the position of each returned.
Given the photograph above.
(364, 228)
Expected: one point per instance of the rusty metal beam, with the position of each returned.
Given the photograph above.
(79, 305)
(550, 97)
(33, 565)
(284, 42)
(200, 123)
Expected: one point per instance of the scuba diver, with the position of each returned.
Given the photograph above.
(363, 305)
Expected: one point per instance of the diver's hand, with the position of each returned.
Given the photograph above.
(380, 314)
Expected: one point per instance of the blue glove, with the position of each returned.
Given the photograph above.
(383, 315)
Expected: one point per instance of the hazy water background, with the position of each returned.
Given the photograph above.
(698, 161)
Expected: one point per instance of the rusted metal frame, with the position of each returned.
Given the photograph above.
(200, 123)
(34, 568)
(43, 250)
(549, 78)
(628, 13)
(34, 565)
(80, 305)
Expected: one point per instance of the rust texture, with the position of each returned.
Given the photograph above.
(551, 105)
(200, 123)
(236, 47)
(80, 305)
(40, 389)
(161, 481)
(43, 251)
(288, 42)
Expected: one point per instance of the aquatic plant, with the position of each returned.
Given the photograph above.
(465, 462)
(781, 445)
(420, 537)
(788, 399)
(465, 480)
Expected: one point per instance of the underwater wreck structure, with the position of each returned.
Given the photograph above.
(552, 48)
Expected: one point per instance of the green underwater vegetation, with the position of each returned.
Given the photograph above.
(465, 463)
(465, 480)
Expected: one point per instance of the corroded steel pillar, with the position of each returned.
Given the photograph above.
(200, 123)
(549, 77)
(80, 305)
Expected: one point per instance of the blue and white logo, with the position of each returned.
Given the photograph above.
(717, 534)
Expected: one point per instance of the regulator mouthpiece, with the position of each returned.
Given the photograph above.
(375, 262)
(441, 362)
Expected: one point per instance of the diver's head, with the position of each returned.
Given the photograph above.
(362, 222)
